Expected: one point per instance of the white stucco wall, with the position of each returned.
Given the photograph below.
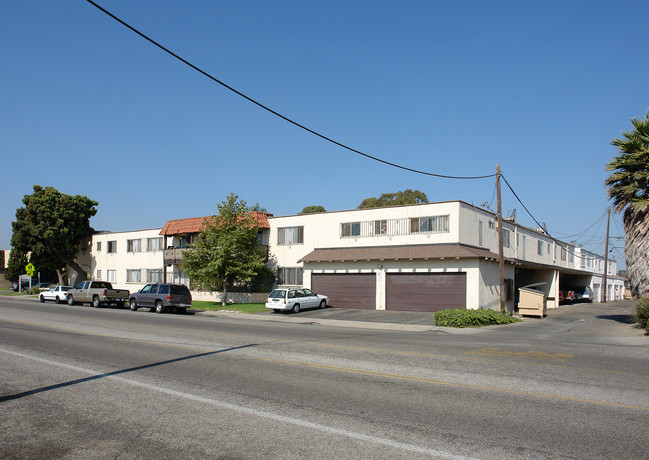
(121, 260)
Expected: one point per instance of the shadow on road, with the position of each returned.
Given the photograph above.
(110, 374)
(623, 319)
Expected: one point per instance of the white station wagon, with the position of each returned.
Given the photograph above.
(56, 293)
(295, 299)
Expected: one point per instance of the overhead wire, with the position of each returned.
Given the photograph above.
(283, 117)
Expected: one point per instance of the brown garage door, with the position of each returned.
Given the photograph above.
(346, 290)
(425, 291)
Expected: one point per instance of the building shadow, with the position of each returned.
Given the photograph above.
(114, 373)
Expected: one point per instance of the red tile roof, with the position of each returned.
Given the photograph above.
(195, 224)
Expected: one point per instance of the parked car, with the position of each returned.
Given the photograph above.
(24, 285)
(97, 293)
(584, 294)
(56, 293)
(43, 286)
(295, 299)
(162, 297)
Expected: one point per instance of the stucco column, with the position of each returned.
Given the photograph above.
(380, 287)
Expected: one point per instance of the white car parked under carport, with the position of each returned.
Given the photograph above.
(56, 293)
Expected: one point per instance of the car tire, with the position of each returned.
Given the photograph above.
(133, 305)
(95, 302)
(323, 304)
(57, 299)
(159, 308)
(70, 300)
(41, 298)
(296, 308)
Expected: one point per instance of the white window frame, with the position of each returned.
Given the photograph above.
(154, 244)
(290, 235)
(154, 275)
(290, 276)
(111, 276)
(111, 247)
(134, 245)
(133, 275)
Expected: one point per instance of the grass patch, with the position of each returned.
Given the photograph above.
(216, 306)
(12, 293)
(472, 318)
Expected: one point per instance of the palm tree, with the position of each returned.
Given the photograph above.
(628, 186)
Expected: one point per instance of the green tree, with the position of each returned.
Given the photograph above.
(53, 227)
(395, 199)
(628, 187)
(313, 209)
(257, 207)
(226, 251)
(15, 265)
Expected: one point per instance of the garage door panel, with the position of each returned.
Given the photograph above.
(346, 290)
(425, 291)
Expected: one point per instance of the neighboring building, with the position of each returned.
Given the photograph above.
(128, 260)
(4, 260)
(178, 234)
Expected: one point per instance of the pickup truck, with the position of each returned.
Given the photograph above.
(97, 293)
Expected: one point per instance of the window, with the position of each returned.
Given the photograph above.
(350, 229)
(480, 233)
(98, 274)
(98, 245)
(433, 224)
(523, 246)
(111, 247)
(290, 235)
(380, 227)
(289, 275)
(154, 276)
(133, 276)
(505, 238)
(184, 241)
(153, 244)
(111, 276)
(133, 245)
(549, 249)
(563, 253)
(540, 247)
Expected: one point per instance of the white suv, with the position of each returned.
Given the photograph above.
(295, 299)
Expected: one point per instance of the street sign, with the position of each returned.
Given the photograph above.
(29, 269)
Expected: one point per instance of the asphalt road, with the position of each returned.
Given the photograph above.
(78, 382)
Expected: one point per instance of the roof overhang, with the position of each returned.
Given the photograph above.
(405, 252)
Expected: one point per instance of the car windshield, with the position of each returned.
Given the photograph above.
(277, 294)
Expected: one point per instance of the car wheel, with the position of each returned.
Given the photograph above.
(159, 308)
(41, 298)
(95, 302)
(70, 300)
(296, 308)
(323, 304)
(133, 305)
(57, 299)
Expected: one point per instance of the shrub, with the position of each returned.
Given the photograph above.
(471, 318)
(35, 290)
(642, 313)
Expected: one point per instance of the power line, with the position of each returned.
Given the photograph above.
(259, 104)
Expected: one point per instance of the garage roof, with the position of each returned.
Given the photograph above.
(408, 252)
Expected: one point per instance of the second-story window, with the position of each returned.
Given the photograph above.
(133, 245)
(563, 253)
(111, 246)
(290, 235)
(98, 245)
(432, 224)
(505, 238)
(153, 244)
(350, 229)
(540, 247)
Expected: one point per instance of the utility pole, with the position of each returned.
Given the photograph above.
(501, 259)
(608, 222)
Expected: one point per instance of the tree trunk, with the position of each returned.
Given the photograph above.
(60, 276)
(81, 274)
(224, 295)
(636, 251)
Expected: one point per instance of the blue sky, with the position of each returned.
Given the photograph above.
(453, 88)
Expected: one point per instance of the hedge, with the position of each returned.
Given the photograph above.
(472, 318)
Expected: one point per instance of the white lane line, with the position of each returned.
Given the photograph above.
(247, 410)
